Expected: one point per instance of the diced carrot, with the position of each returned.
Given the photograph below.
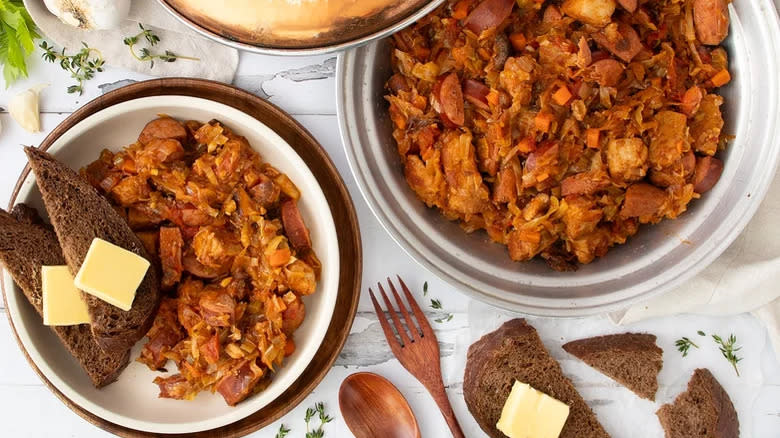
(542, 121)
(289, 347)
(721, 78)
(492, 97)
(279, 257)
(542, 176)
(562, 95)
(518, 41)
(526, 145)
(592, 138)
(461, 9)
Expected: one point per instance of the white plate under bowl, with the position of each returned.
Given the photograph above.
(132, 400)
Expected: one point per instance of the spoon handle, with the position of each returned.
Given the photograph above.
(440, 397)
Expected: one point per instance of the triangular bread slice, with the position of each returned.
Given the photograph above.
(704, 410)
(515, 352)
(26, 245)
(80, 214)
(632, 359)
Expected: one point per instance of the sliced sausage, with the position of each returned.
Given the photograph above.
(397, 83)
(706, 173)
(711, 20)
(476, 92)
(449, 96)
(586, 183)
(489, 14)
(294, 227)
(624, 43)
(164, 127)
(642, 200)
(605, 72)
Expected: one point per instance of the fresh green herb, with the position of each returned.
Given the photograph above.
(82, 65)
(447, 318)
(701, 333)
(319, 410)
(17, 33)
(425, 289)
(435, 304)
(283, 431)
(145, 55)
(729, 349)
(684, 344)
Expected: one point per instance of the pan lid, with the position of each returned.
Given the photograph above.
(297, 26)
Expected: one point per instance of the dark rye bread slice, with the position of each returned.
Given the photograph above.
(632, 359)
(80, 214)
(26, 245)
(515, 352)
(704, 410)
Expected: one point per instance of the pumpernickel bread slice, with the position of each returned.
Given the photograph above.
(80, 214)
(632, 359)
(515, 352)
(704, 410)
(26, 245)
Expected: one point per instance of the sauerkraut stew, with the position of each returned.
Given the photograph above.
(559, 127)
(234, 252)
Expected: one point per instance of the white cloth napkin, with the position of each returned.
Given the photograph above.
(217, 62)
(746, 278)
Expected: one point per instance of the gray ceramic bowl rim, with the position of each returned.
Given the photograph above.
(353, 128)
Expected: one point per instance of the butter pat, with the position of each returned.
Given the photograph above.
(111, 273)
(529, 413)
(62, 301)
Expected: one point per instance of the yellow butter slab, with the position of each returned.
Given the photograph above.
(62, 301)
(529, 413)
(111, 273)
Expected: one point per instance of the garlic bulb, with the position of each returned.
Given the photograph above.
(90, 14)
(24, 108)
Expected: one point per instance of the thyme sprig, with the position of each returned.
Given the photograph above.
(729, 349)
(283, 431)
(319, 410)
(146, 55)
(82, 65)
(684, 344)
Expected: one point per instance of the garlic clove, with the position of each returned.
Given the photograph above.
(24, 108)
(90, 14)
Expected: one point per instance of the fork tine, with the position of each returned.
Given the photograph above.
(425, 326)
(391, 339)
(394, 316)
(409, 323)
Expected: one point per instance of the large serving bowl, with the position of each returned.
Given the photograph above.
(131, 404)
(657, 259)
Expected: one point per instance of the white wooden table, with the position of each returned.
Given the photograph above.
(305, 88)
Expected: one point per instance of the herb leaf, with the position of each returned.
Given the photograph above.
(82, 65)
(447, 318)
(701, 333)
(283, 431)
(684, 344)
(729, 349)
(435, 303)
(146, 55)
(319, 410)
(425, 289)
(17, 32)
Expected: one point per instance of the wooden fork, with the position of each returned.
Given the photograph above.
(418, 349)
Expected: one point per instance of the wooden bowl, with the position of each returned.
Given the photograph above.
(333, 315)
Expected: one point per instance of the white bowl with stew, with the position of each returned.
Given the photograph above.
(132, 401)
(655, 260)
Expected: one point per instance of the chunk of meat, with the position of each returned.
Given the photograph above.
(627, 159)
(176, 387)
(466, 192)
(643, 201)
(524, 244)
(605, 72)
(293, 315)
(711, 20)
(215, 247)
(163, 336)
(157, 151)
(629, 5)
(669, 140)
(581, 217)
(488, 14)
(266, 192)
(449, 100)
(218, 308)
(691, 100)
(621, 40)
(426, 178)
(149, 240)
(541, 164)
(706, 125)
(237, 385)
(191, 264)
(593, 12)
(676, 174)
(171, 244)
(294, 226)
(101, 174)
(164, 127)
(551, 14)
(476, 92)
(501, 48)
(585, 183)
(707, 173)
(131, 189)
(584, 54)
(505, 188)
(301, 277)
(397, 83)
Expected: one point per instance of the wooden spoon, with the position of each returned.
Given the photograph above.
(372, 407)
